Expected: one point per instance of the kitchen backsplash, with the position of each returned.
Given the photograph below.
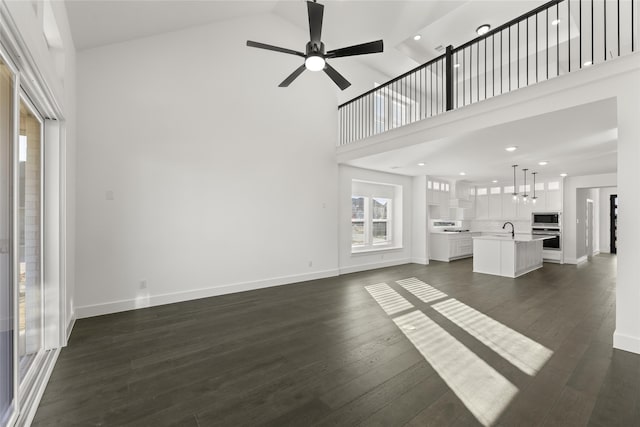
(520, 226)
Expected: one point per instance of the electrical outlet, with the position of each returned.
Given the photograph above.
(310, 263)
(143, 284)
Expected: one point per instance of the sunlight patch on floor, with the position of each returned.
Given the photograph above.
(390, 301)
(421, 290)
(482, 389)
(521, 351)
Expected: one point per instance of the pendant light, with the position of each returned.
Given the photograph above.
(515, 191)
(534, 198)
(524, 194)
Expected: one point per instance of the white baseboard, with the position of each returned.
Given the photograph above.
(155, 300)
(576, 261)
(595, 253)
(374, 265)
(626, 342)
(422, 261)
(70, 325)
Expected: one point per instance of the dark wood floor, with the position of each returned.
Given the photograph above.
(324, 352)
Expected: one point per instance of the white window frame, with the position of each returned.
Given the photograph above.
(369, 221)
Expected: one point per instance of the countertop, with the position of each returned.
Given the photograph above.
(517, 238)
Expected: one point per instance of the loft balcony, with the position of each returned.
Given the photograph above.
(557, 38)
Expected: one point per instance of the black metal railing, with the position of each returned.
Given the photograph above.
(556, 38)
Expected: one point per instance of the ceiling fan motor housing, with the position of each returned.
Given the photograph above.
(315, 49)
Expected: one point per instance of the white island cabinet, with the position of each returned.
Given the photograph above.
(502, 255)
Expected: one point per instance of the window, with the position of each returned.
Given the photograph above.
(495, 190)
(481, 192)
(374, 207)
(370, 221)
(553, 185)
(357, 220)
(380, 219)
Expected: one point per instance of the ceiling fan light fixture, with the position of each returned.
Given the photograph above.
(483, 29)
(314, 63)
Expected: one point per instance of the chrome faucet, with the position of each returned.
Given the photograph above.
(513, 232)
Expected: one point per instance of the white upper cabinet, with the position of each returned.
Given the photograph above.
(482, 203)
(553, 194)
(438, 191)
(496, 202)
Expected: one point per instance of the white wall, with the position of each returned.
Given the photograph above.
(364, 261)
(605, 229)
(221, 180)
(420, 234)
(574, 211)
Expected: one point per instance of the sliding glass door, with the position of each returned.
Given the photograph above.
(6, 261)
(29, 222)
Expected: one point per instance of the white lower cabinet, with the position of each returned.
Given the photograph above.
(450, 246)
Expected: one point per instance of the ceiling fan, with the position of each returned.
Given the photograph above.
(315, 58)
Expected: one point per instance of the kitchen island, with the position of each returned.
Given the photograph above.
(504, 255)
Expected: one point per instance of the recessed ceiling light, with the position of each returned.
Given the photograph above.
(417, 37)
(421, 164)
(543, 163)
(456, 65)
(586, 64)
(512, 148)
(556, 22)
(563, 174)
(462, 173)
(483, 29)
(495, 181)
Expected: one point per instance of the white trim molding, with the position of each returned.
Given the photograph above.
(374, 265)
(626, 342)
(92, 310)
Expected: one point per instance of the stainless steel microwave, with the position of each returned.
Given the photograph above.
(545, 219)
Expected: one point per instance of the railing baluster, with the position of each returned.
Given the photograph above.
(592, 42)
(493, 65)
(604, 5)
(537, 47)
(478, 72)
(569, 31)
(618, 27)
(580, 35)
(547, 29)
(518, 55)
(509, 59)
(558, 39)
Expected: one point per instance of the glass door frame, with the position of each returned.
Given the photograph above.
(25, 385)
(15, 404)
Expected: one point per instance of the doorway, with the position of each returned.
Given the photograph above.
(613, 223)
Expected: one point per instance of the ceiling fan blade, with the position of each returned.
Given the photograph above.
(293, 76)
(359, 49)
(336, 77)
(274, 48)
(316, 11)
